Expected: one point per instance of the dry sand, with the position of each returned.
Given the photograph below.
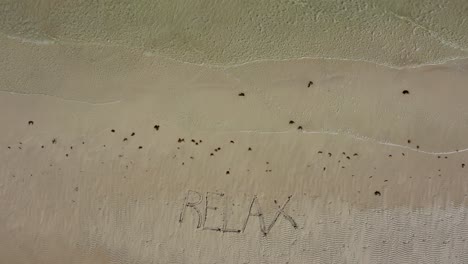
(109, 155)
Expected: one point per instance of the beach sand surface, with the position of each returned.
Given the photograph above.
(133, 159)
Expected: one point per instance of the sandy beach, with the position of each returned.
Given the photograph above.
(126, 153)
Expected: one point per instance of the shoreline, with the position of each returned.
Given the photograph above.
(152, 54)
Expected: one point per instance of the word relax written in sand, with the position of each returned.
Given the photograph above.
(205, 208)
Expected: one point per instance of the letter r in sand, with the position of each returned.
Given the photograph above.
(188, 202)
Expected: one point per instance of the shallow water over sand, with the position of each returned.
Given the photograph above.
(395, 33)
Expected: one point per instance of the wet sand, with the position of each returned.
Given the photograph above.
(112, 156)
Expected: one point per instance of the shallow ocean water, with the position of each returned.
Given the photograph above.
(395, 33)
